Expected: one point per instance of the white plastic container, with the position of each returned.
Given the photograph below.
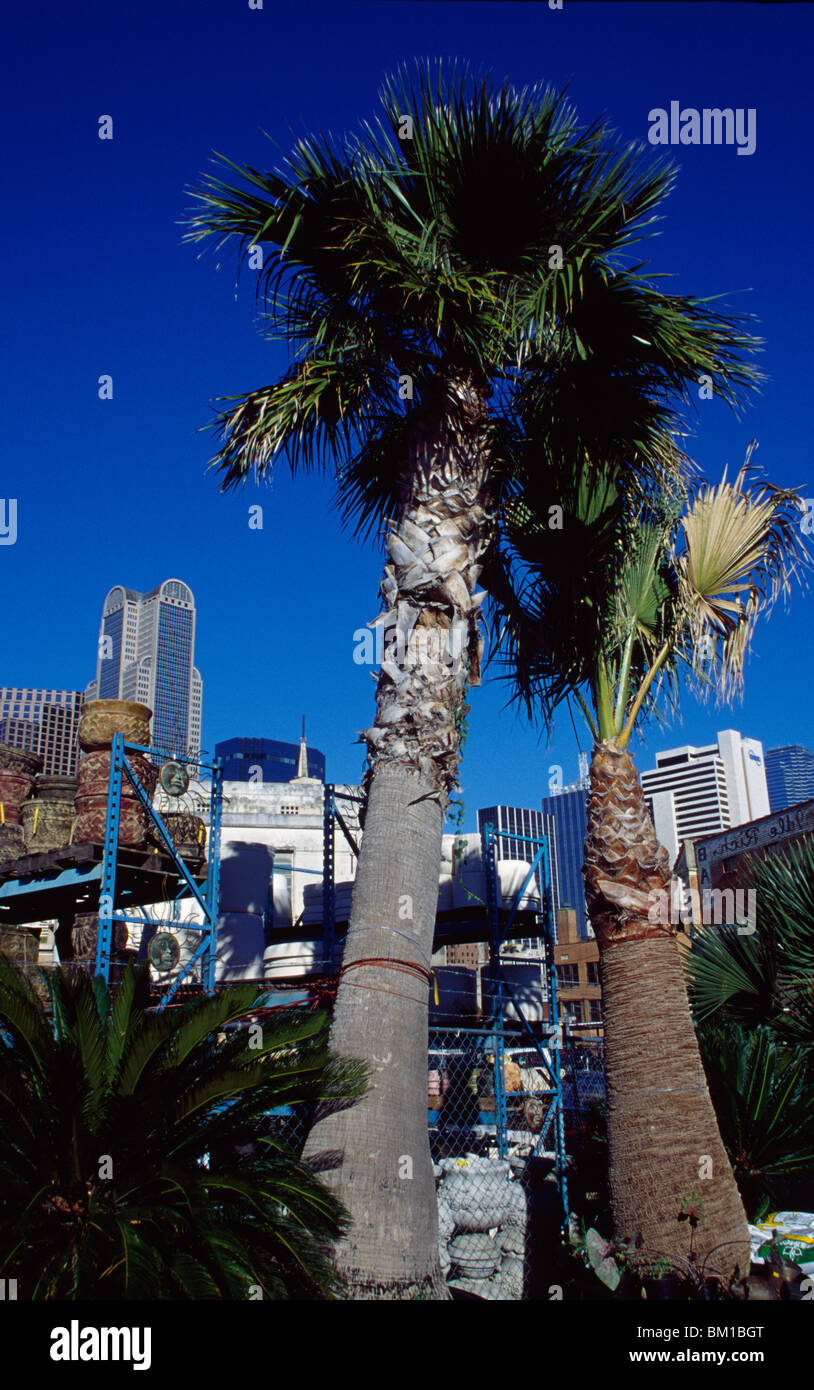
(246, 871)
(241, 942)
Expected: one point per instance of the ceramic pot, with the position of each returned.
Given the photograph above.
(94, 775)
(15, 788)
(47, 825)
(12, 843)
(91, 821)
(101, 719)
(15, 760)
(55, 788)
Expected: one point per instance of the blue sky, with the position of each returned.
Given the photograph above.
(96, 280)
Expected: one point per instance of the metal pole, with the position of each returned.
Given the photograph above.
(328, 870)
(556, 1046)
(212, 896)
(104, 938)
(489, 856)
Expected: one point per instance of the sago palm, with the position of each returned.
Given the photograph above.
(753, 998)
(465, 242)
(763, 1093)
(137, 1158)
(765, 976)
(607, 614)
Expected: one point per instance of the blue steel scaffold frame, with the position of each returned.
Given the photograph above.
(207, 900)
(502, 990)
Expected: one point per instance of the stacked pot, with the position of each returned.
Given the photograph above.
(17, 773)
(48, 816)
(84, 938)
(187, 832)
(101, 719)
(22, 946)
(482, 1220)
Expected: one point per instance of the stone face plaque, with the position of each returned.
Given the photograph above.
(164, 952)
(174, 778)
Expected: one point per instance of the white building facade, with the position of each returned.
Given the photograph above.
(698, 791)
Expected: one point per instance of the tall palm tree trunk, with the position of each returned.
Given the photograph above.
(376, 1154)
(663, 1136)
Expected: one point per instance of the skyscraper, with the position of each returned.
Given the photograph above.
(565, 815)
(44, 722)
(146, 653)
(789, 776)
(696, 791)
(509, 822)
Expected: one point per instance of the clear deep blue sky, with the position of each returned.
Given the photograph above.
(95, 280)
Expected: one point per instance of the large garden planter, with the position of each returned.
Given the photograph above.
(475, 1256)
(91, 821)
(187, 832)
(47, 825)
(15, 788)
(17, 773)
(94, 775)
(101, 719)
(12, 843)
(50, 787)
(15, 760)
(22, 946)
(85, 936)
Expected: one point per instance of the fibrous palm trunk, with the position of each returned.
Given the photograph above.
(665, 1149)
(376, 1154)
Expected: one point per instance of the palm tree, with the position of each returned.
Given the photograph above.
(606, 615)
(416, 273)
(137, 1159)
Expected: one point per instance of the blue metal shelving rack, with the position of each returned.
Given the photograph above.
(501, 991)
(207, 900)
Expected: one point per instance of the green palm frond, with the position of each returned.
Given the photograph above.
(764, 1102)
(784, 885)
(733, 975)
(741, 548)
(471, 224)
(673, 585)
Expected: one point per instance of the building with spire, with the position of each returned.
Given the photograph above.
(146, 653)
(269, 760)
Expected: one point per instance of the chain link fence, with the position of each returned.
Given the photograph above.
(495, 1160)
(499, 1216)
(583, 1080)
